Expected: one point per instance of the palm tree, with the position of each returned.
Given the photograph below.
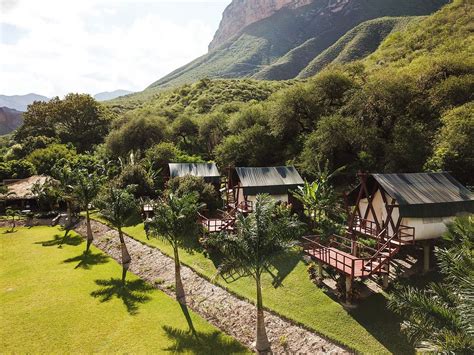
(174, 221)
(64, 173)
(318, 197)
(13, 214)
(117, 205)
(86, 188)
(441, 316)
(269, 231)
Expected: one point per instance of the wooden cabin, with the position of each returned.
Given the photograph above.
(19, 194)
(395, 210)
(246, 183)
(413, 206)
(208, 171)
(243, 186)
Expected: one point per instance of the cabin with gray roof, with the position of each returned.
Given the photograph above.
(208, 171)
(245, 183)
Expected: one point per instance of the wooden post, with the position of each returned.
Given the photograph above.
(320, 270)
(348, 289)
(385, 277)
(354, 247)
(426, 257)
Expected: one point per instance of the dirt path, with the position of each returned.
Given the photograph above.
(227, 312)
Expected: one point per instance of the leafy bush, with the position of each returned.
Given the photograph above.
(182, 186)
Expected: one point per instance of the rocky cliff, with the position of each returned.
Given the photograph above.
(241, 13)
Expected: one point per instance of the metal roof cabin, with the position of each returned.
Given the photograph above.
(208, 171)
(418, 203)
(246, 183)
(394, 210)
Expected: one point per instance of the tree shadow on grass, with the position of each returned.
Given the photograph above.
(132, 293)
(87, 259)
(59, 241)
(201, 343)
(284, 265)
(383, 324)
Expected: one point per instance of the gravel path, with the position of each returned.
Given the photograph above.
(227, 312)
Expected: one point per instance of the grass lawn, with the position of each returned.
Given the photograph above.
(370, 328)
(56, 299)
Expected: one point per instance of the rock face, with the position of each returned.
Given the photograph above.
(241, 13)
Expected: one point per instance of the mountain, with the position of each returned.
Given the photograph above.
(240, 14)
(10, 120)
(356, 44)
(20, 102)
(110, 95)
(277, 40)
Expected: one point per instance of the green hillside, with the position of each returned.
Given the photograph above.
(449, 32)
(356, 44)
(281, 46)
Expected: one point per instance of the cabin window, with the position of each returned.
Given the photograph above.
(432, 220)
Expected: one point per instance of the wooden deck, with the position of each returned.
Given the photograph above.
(367, 262)
(216, 225)
(339, 260)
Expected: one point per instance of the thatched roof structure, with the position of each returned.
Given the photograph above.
(21, 189)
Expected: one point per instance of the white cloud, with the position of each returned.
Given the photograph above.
(65, 46)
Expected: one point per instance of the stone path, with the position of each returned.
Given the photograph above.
(232, 315)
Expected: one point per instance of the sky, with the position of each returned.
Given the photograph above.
(53, 47)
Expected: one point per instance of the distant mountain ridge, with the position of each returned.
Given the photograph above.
(10, 120)
(110, 95)
(20, 102)
(283, 44)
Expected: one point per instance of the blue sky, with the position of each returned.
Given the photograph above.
(52, 47)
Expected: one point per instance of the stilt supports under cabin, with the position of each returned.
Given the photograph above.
(426, 257)
(348, 289)
(320, 270)
(385, 276)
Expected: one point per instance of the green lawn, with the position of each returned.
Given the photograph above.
(56, 299)
(370, 328)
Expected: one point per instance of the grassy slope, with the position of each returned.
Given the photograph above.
(46, 304)
(371, 328)
(262, 44)
(448, 32)
(357, 43)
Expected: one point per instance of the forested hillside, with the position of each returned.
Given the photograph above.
(408, 107)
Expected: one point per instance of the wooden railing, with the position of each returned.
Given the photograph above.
(215, 225)
(340, 260)
(404, 233)
(331, 253)
(365, 226)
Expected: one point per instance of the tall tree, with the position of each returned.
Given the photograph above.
(117, 205)
(441, 316)
(174, 221)
(78, 119)
(86, 188)
(259, 238)
(63, 172)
